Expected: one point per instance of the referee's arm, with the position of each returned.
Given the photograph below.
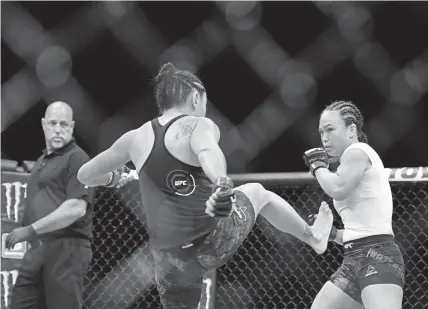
(74, 207)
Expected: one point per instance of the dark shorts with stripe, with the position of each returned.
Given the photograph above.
(179, 271)
(368, 261)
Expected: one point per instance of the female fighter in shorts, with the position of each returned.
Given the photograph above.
(193, 228)
(372, 272)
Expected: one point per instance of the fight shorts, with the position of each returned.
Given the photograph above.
(179, 271)
(368, 261)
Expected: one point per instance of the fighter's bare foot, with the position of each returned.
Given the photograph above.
(321, 229)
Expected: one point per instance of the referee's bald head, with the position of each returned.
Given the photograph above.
(58, 125)
(59, 107)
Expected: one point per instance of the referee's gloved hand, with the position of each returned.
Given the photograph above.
(315, 158)
(223, 199)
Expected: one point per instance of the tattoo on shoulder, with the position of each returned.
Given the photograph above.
(185, 131)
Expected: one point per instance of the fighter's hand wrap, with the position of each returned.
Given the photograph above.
(226, 197)
(315, 158)
(127, 176)
(114, 178)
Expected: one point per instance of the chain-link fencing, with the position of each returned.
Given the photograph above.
(270, 270)
(275, 270)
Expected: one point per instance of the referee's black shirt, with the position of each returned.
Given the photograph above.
(53, 180)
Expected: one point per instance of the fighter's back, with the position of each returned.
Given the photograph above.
(174, 187)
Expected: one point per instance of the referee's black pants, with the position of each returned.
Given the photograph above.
(51, 274)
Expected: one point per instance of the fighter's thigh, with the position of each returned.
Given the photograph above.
(382, 264)
(382, 296)
(256, 194)
(332, 297)
(346, 280)
(177, 268)
(381, 279)
(178, 277)
(219, 246)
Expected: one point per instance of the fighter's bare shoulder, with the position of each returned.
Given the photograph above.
(196, 120)
(355, 155)
(207, 125)
(206, 121)
(141, 133)
(191, 123)
(143, 130)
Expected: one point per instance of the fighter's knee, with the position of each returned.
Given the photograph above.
(257, 195)
(257, 187)
(253, 190)
(263, 194)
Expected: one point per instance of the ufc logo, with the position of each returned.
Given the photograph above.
(8, 278)
(180, 183)
(348, 246)
(14, 192)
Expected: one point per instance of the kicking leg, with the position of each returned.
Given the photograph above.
(283, 216)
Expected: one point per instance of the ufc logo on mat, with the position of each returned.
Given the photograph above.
(348, 246)
(15, 192)
(8, 279)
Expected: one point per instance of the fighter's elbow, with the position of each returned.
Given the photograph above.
(211, 155)
(77, 208)
(203, 153)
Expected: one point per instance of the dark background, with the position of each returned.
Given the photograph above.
(116, 81)
(373, 53)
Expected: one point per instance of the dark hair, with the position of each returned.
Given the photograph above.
(351, 115)
(173, 86)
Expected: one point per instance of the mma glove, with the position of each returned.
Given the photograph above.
(315, 158)
(226, 197)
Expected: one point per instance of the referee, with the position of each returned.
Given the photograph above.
(57, 221)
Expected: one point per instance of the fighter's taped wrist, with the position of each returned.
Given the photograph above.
(316, 169)
(224, 181)
(110, 181)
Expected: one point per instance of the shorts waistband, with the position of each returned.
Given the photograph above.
(357, 244)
